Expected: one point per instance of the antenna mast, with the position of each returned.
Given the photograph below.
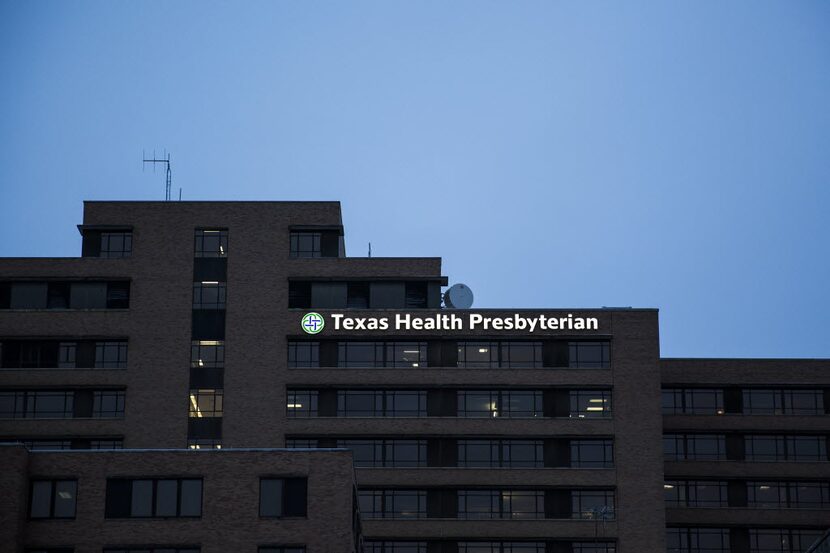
(165, 159)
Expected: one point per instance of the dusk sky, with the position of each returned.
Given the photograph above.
(555, 154)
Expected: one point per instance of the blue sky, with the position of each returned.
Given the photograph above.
(652, 154)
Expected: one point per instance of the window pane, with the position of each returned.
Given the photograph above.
(211, 243)
(41, 503)
(166, 498)
(191, 498)
(586, 355)
(142, 499)
(270, 497)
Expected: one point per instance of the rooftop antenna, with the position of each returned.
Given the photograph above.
(165, 159)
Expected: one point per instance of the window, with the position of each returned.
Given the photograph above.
(282, 549)
(500, 453)
(781, 540)
(510, 504)
(204, 444)
(45, 445)
(211, 243)
(66, 355)
(118, 295)
(206, 403)
(488, 355)
(305, 244)
(593, 547)
(809, 449)
(406, 354)
(381, 403)
(301, 403)
(303, 354)
(301, 443)
(697, 540)
(501, 547)
(299, 294)
(592, 504)
(387, 452)
(694, 447)
(783, 402)
(153, 549)
(692, 401)
(695, 493)
(592, 453)
(111, 355)
(395, 547)
(154, 497)
(116, 443)
(108, 404)
(590, 403)
(398, 504)
(208, 354)
(505, 403)
(282, 497)
(357, 295)
(36, 404)
(589, 355)
(52, 499)
(209, 295)
(116, 244)
(360, 354)
(415, 295)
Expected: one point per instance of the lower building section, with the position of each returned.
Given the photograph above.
(182, 501)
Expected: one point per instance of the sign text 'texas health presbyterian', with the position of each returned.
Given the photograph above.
(312, 323)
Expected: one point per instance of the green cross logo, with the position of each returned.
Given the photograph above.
(313, 323)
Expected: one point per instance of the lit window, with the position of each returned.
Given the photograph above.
(494, 403)
(590, 403)
(206, 403)
(301, 403)
(208, 354)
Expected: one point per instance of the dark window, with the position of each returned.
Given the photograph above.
(592, 504)
(282, 497)
(360, 354)
(381, 403)
(301, 403)
(395, 547)
(209, 295)
(299, 294)
(66, 355)
(809, 449)
(303, 354)
(118, 295)
(694, 447)
(211, 243)
(207, 354)
(52, 498)
(593, 547)
(301, 443)
(592, 453)
(154, 549)
(398, 504)
(501, 547)
(116, 443)
(695, 493)
(45, 445)
(504, 403)
(416, 295)
(386, 453)
(154, 497)
(589, 355)
(512, 504)
(28, 295)
(206, 403)
(36, 404)
(783, 402)
(781, 540)
(281, 549)
(116, 244)
(357, 295)
(108, 404)
(590, 403)
(521, 355)
(305, 244)
(58, 295)
(692, 401)
(500, 453)
(111, 355)
(697, 540)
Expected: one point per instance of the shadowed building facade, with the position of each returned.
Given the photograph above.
(238, 325)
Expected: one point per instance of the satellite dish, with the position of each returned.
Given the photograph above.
(458, 296)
